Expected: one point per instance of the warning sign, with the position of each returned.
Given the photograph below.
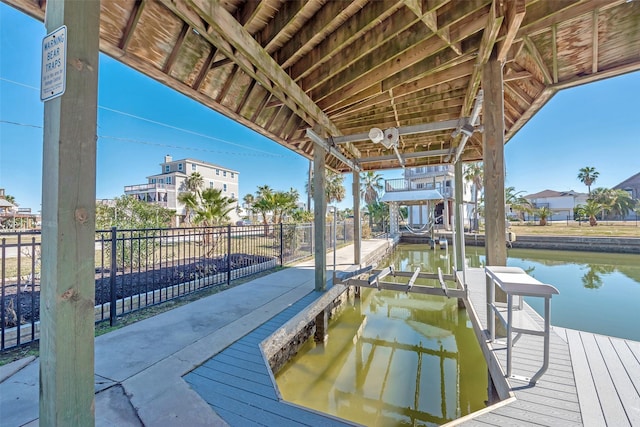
(54, 64)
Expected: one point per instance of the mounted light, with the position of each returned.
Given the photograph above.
(391, 137)
(376, 135)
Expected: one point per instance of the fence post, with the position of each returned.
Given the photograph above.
(228, 254)
(112, 277)
(281, 244)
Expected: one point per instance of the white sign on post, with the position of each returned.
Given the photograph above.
(54, 64)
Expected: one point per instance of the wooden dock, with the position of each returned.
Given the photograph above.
(239, 385)
(592, 380)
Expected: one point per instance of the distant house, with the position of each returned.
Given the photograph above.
(632, 186)
(164, 188)
(560, 203)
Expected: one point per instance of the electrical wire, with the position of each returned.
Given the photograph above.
(156, 123)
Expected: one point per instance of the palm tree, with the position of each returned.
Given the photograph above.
(190, 202)
(605, 198)
(370, 186)
(9, 198)
(588, 175)
(543, 212)
(334, 187)
(591, 209)
(214, 208)
(516, 201)
(622, 203)
(474, 172)
(194, 182)
(248, 201)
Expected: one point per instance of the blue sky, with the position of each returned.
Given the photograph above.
(140, 121)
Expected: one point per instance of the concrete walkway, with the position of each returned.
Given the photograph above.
(139, 368)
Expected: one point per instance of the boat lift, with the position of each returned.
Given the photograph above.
(374, 280)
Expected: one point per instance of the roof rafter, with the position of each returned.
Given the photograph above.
(429, 18)
(235, 35)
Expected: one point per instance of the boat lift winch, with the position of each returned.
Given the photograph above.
(374, 280)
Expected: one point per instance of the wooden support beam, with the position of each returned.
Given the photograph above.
(537, 58)
(594, 43)
(68, 224)
(138, 7)
(458, 188)
(175, 50)
(493, 162)
(554, 52)
(429, 18)
(357, 226)
(266, 70)
(319, 217)
(206, 66)
(515, 14)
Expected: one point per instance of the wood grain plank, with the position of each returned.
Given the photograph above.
(627, 393)
(631, 364)
(525, 415)
(589, 403)
(233, 361)
(240, 372)
(612, 408)
(235, 384)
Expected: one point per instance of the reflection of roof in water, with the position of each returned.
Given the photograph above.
(431, 304)
(429, 331)
(413, 196)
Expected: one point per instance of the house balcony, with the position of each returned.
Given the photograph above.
(429, 172)
(145, 188)
(402, 184)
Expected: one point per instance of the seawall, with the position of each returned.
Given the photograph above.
(627, 245)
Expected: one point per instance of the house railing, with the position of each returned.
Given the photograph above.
(138, 268)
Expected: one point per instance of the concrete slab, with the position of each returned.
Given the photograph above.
(139, 368)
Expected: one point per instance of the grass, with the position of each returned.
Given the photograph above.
(573, 228)
(32, 349)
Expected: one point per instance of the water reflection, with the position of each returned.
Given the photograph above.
(392, 359)
(599, 292)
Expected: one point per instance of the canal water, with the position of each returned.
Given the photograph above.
(395, 359)
(599, 292)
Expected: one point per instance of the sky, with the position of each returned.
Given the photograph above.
(140, 121)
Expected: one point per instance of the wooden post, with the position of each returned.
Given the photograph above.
(357, 229)
(319, 217)
(458, 222)
(493, 161)
(68, 224)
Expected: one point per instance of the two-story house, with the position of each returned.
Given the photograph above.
(428, 194)
(560, 203)
(165, 187)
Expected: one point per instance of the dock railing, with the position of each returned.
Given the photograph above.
(137, 268)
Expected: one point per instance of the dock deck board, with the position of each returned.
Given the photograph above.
(592, 380)
(237, 382)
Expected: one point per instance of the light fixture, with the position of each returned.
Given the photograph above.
(376, 135)
(391, 137)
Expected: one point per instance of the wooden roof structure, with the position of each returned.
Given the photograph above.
(344, 67)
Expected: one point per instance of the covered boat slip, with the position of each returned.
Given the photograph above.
(591, 380)
(313, 76)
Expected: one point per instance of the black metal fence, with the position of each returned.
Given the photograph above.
(135, 269)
